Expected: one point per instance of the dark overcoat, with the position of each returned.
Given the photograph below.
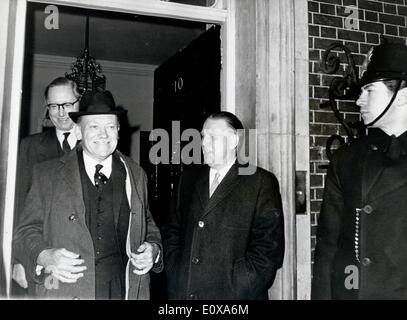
(361, 250)
(54, 217)
(226, 247)
(33, 149)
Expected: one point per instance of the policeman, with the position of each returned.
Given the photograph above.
(361, 250)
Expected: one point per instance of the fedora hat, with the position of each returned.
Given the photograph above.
(387, 61)
(93, 103)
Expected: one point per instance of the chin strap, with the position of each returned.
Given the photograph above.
(388, 106)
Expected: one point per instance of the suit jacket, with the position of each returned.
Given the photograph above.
(54, 217)
(361, 250)
(33, 149)
(226, 247)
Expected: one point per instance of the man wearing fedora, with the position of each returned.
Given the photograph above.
(86, 231)
(361, 250)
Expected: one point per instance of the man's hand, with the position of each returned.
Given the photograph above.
(19, 275)
(64, 265)
(143, 259)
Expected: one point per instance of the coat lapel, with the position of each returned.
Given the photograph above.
(119, 175)
(71, 176)
(391, 179)
(49, 146)
(372, 170)
(202, 187)
(70, 172)
(224, 188)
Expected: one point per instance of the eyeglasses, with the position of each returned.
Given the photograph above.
(66, 105)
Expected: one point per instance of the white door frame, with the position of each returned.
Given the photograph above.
(301, 103)
(10, 107)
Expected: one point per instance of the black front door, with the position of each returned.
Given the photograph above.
(186, 91)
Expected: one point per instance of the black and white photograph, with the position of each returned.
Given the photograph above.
(203, 156)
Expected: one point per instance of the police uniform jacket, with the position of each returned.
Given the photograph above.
(361, 250)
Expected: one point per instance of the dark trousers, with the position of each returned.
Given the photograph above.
(109, 279)
(110, 290)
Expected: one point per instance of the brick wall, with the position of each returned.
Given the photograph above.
(327, 24)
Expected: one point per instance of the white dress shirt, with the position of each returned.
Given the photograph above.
(222, 172)
(90, 166)
(72, 139)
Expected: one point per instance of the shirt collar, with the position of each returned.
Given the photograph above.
(72, 139)
(222, 172)
(91, 163)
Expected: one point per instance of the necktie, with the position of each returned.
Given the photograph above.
(214, 184)
(100, 178)
(65, 145)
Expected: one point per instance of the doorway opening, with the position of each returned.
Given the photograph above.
(129, 48)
